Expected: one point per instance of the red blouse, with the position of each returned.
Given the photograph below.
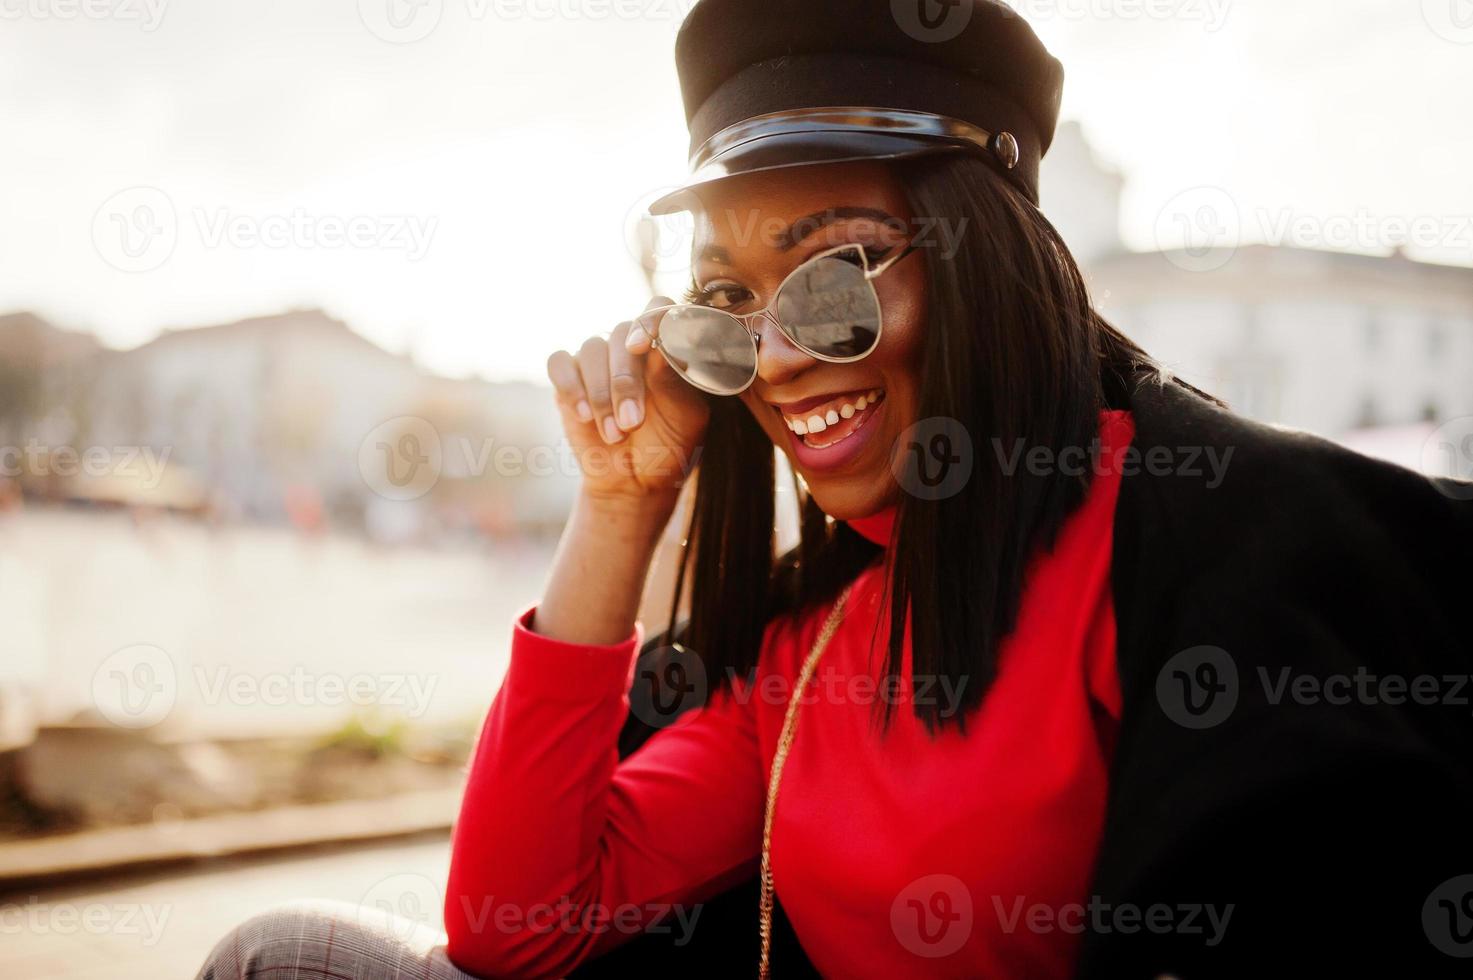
(893, 855)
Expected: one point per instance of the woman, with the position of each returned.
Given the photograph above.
(1088, 748)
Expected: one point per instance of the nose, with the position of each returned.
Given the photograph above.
(778, 361)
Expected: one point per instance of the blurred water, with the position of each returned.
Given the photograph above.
(250, 629)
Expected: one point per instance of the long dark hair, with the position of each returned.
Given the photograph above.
(1014, 350)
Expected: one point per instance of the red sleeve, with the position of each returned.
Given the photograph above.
(561, 851)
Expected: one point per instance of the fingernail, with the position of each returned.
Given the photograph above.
(629, 413)
(611, 430)
(634, 337)
(585, 413)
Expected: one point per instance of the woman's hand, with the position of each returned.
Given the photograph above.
(635, 426)
(632, 421)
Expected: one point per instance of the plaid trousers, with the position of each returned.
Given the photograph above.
(330, 941)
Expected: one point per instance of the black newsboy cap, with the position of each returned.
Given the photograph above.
(782, 83)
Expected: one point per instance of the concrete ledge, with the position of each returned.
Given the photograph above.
(115, 848)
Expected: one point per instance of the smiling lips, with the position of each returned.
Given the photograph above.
(822, 423)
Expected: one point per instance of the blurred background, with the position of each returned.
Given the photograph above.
(278, 463)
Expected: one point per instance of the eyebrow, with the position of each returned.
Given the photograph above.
(789, 237)
(810, 223)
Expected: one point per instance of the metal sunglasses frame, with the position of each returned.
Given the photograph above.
(870, 272)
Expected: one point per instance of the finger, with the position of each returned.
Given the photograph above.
(638, 339)
(626, 379)
(562, 371)
(593, 365)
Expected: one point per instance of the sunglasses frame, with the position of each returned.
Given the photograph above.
(870, 272)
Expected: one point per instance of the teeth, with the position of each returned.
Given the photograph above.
(847, 410)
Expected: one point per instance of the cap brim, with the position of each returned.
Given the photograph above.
(780, 151)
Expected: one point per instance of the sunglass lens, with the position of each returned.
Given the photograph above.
(829, 307)
(710, 349)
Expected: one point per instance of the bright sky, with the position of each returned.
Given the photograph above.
(469, 194)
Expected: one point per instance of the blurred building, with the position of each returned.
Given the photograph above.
(1080, 194)
(254, 407)
(1372, 350)
(263, 419)
(41, 366)
(1325, 341)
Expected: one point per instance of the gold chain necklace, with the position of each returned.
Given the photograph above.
(780, 757)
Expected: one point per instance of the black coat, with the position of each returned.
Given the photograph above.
(1276, 752)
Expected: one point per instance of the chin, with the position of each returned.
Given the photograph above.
(857, 496)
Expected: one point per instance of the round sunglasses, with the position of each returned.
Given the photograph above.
(827, 307)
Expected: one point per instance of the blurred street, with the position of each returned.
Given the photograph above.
(162, 924)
